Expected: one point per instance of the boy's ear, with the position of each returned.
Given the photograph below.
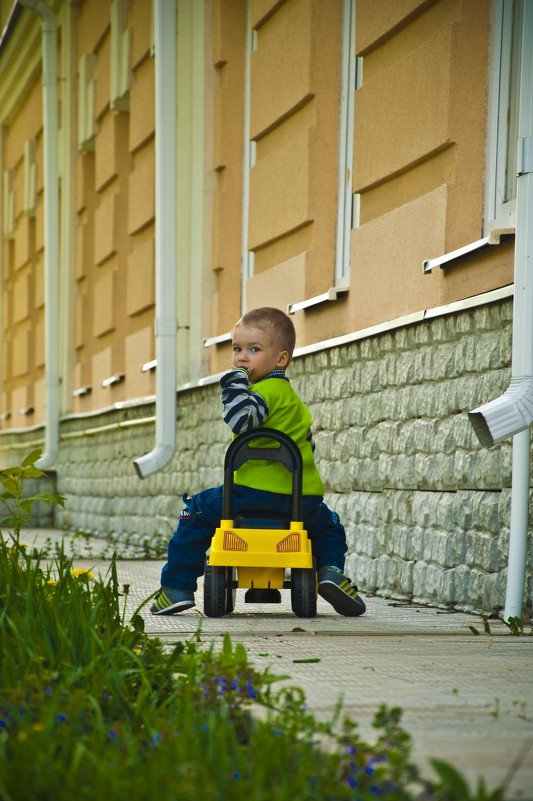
(283, 359)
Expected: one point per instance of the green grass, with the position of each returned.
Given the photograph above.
(90, 706)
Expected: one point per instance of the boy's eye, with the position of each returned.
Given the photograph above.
(254, 350)
(236, 349)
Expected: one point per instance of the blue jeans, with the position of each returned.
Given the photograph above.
(201, 516)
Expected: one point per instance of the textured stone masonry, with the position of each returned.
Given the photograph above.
(426, 508)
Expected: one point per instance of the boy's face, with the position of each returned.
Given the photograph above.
(254, 350)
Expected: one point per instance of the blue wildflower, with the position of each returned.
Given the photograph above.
(61, 717)
(113, 733)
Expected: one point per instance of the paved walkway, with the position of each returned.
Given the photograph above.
(466, 698)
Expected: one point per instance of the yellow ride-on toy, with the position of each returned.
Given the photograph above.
(245, 553)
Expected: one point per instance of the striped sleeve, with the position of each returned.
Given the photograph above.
(243, 410)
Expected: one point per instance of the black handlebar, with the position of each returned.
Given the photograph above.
(240, 451)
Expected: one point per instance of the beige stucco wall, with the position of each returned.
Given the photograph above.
(108, 284)
(418, 166)
(419, 131)
(116, 206)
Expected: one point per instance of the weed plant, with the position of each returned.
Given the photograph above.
(91, 707)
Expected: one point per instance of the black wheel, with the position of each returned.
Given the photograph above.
(215, 600)
(231, 589)
(303, 591)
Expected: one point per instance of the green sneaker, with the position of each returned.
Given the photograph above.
(169, 601)
(339, 591)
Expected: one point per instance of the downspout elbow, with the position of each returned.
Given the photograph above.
(151, 462)
(505, 416)
(165, 404)
(43, 9)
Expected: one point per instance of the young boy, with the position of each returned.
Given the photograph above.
(255, 393)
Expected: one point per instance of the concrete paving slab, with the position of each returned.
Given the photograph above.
(466, 698)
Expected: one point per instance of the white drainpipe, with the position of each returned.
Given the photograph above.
(512, 413)
(51, 231)
(165, 240)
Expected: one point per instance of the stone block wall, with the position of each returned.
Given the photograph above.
(426, 508)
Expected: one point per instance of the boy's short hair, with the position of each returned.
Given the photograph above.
(276, 323)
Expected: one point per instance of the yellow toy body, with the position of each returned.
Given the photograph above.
(257, 558)
(261, 555)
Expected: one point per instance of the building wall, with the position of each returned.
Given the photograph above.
(115, 205)
(426, 509)
(418, 162)
(260, 133)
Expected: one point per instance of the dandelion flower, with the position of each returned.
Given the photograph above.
(81, 573)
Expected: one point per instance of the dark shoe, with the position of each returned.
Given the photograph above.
(169, 601)
(339, 591)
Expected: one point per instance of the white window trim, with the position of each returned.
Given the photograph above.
(347, 203)
(499, 215)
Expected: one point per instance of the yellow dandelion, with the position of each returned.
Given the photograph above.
(81, 573)
(137, 651)
(37, 726)
(51, 583)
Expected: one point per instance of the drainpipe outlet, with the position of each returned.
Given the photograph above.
(153, 461)
(505, 416)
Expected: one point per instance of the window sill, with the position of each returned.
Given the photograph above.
(219, 340)
(334, 293)
(493, 238)
(331, 295)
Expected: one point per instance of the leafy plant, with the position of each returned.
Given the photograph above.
(514, 624)
(454, 786)
(18, 507)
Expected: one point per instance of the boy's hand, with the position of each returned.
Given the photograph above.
(243, 369)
